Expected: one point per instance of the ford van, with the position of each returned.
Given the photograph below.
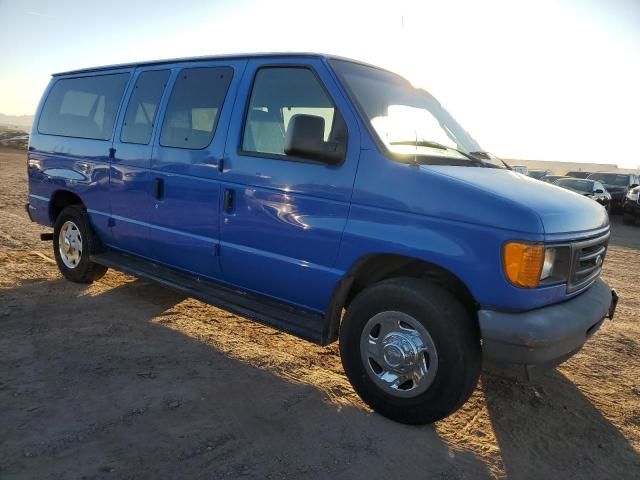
(327, 198)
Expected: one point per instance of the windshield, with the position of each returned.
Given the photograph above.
(611, 179)
(537, 174)
(578, 174)
(585, 186)
(408, 121)
(550, 178)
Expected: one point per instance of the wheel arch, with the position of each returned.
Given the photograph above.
(60, 199)
(373, 268)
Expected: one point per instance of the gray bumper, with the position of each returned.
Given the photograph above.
(546, 335)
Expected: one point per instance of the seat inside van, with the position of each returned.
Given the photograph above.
(265, 132)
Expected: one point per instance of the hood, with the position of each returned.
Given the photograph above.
(558, 210)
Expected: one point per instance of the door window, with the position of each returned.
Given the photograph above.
(278, 94)
(194, 107)
(141, 111)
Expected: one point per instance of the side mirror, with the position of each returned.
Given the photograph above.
(600, 191)
(305, 138)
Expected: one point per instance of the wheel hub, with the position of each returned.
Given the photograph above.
(399, 352)
(70, 244)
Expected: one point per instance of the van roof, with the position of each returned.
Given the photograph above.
(238, 56)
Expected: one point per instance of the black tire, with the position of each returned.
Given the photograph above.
(453, 332)
(84, 271)
(628, 219)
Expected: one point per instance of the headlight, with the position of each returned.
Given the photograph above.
(549, 262)
(633, 195)
(530, 265)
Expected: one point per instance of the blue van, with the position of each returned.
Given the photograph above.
(330, 199)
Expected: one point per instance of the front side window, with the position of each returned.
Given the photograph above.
(84, 107)
(278, 94)
(407, 120)
(196, 101)
(141, 111)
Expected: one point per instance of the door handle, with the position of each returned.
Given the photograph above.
(158, 188)
(227, 204)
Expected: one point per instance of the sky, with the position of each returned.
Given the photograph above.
(538, 79)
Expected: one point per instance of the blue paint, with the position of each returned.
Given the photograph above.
(296, 228)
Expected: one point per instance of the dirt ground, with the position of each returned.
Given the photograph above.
(125, 379)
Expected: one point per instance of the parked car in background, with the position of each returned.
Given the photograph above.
(618, 185)
(538, 174)
(631, 206)
(551, 178)
(327, 198)
(578, 174)
(589, 188)
(520, 169)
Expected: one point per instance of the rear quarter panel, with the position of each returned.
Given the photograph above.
(77, 165)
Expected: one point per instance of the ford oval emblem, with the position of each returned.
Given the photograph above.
(598, 260)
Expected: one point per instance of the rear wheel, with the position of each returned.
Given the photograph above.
(628, 218)
(73, 242)
(410, 350)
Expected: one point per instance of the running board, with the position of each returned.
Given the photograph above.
(296, 321)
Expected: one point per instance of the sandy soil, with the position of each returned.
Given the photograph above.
(124, 379)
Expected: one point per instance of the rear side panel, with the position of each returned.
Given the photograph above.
(184, 231)
(130, 176)
(77, 165)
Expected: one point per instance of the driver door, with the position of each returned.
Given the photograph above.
(282, 217)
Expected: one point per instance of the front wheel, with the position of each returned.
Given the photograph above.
(73, 243)
(410, 350)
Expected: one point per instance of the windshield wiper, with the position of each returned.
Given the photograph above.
(432, 144)
(423, 143)
(482, 155)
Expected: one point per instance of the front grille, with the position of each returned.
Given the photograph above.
(587, 259)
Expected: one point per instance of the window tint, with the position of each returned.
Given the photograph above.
(278, 94)
(83, 107)
(193, 109)
(141, 111)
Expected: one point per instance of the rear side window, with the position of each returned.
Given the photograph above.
(278, 94)
(143, 106)
(83, 107)
(196, 101)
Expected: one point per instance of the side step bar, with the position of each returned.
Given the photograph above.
(296, 321)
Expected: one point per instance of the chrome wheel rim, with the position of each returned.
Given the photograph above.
(398, 354)
(70, 244)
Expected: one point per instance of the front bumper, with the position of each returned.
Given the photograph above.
(547, 335)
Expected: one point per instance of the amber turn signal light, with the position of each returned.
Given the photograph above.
(522, 263)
